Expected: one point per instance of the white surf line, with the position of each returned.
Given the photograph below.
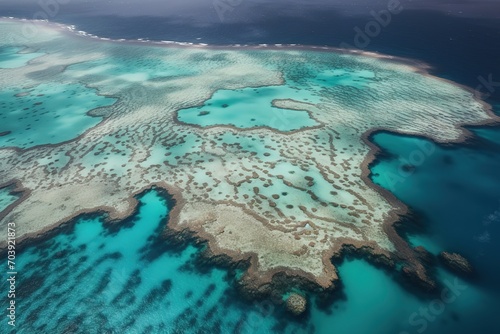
(417, 64)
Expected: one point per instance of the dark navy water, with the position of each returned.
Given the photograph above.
(454, 193)
(463, 50)
(460, 47)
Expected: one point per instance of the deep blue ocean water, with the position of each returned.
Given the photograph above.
(459, 47)
(454, 195)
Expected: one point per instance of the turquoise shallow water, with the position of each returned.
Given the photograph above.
(47, 114)
(10, 57)
(96, 278)
(251, 107)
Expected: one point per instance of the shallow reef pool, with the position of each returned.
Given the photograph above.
(251, 107)
(49, 113)
(14, 56)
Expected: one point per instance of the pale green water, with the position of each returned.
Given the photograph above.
(127, 67)
(343, 77)
(251, 107)
(47, 114)
(10, 57)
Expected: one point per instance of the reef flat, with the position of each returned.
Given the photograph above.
(285, 193)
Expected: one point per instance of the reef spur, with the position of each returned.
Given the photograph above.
(284, 194)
